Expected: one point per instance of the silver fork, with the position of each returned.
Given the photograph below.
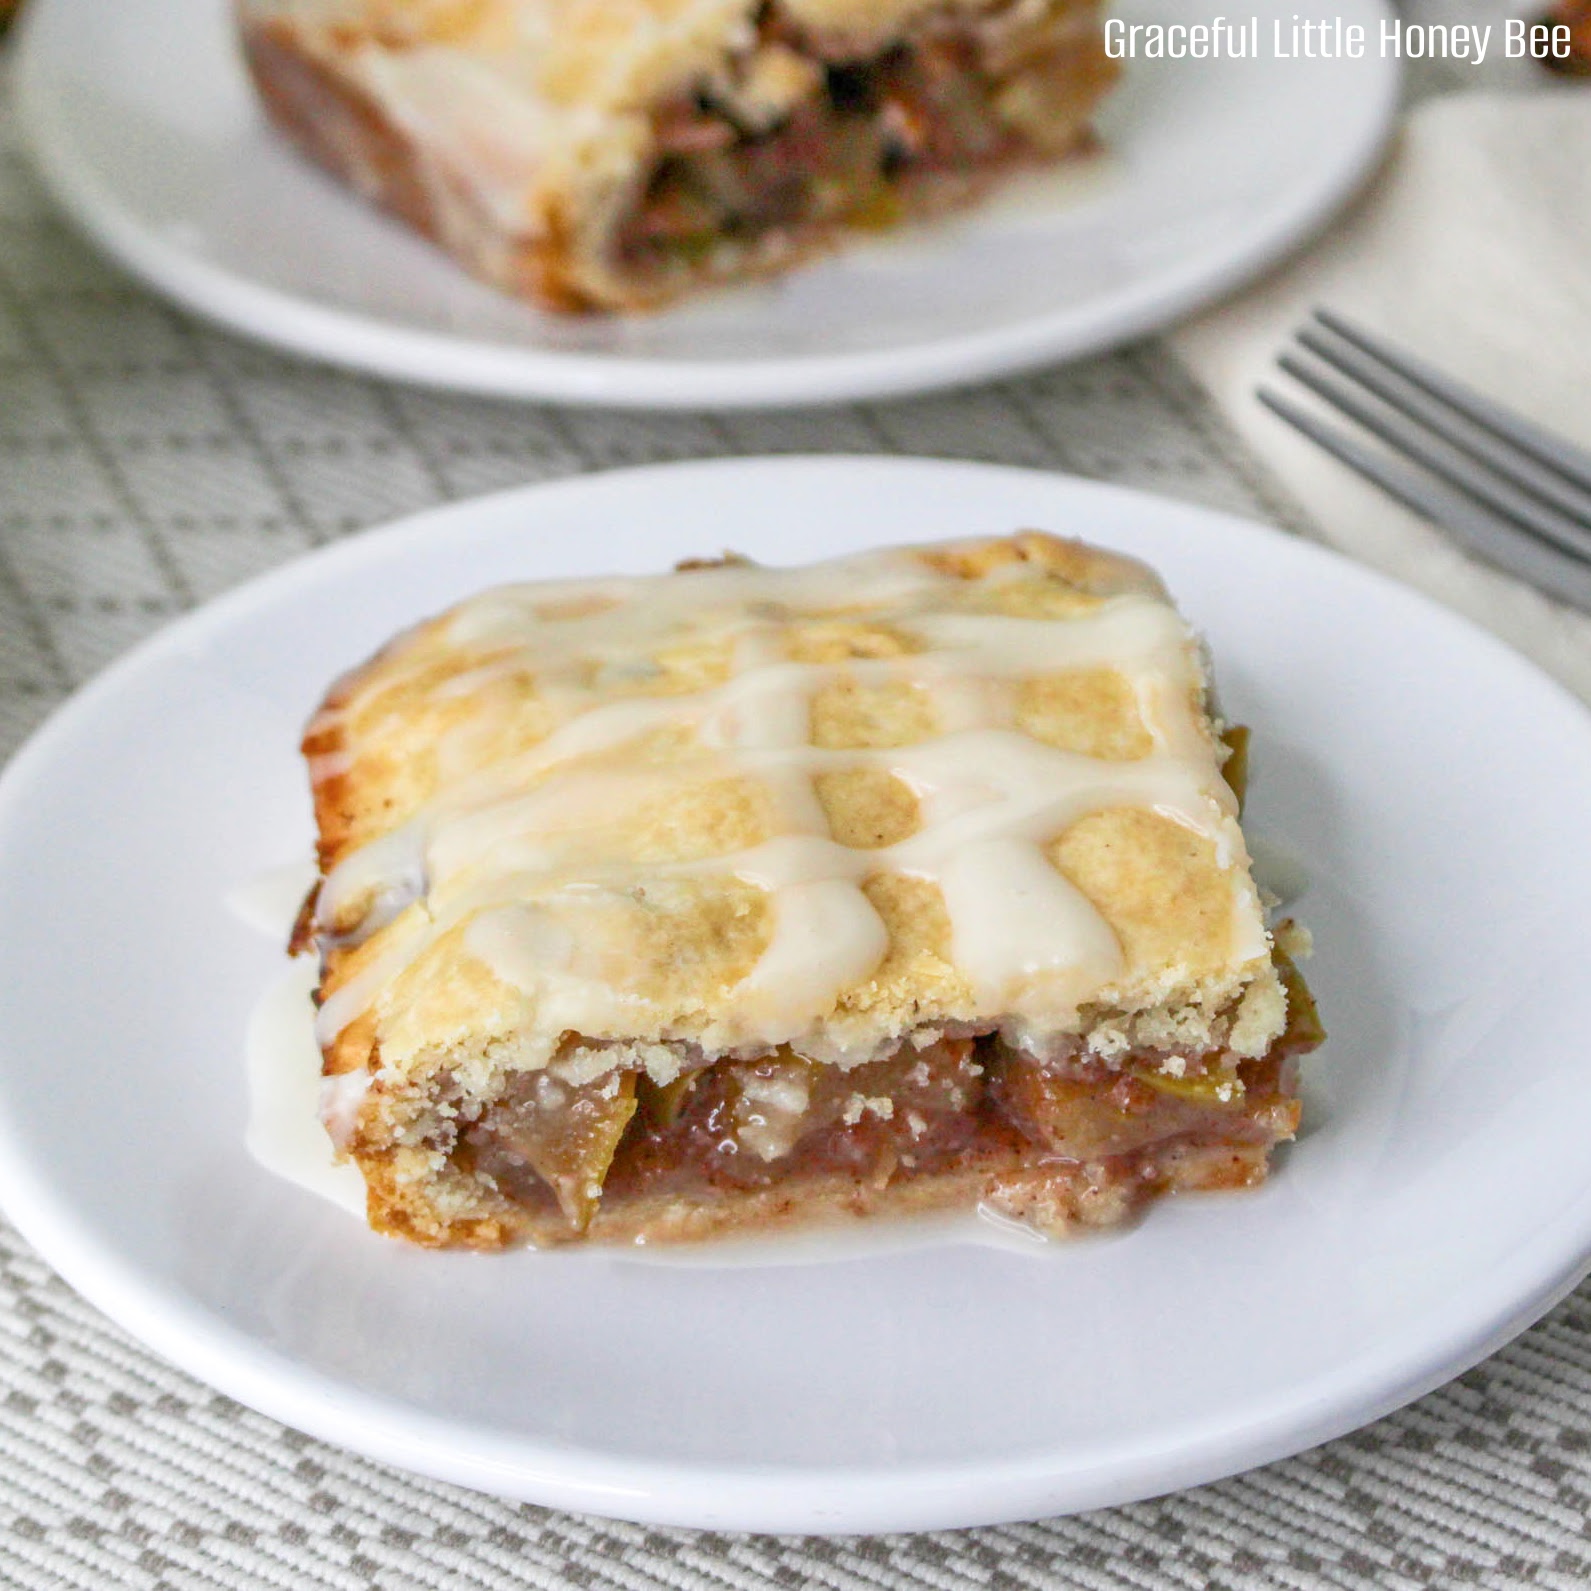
(1511, 492)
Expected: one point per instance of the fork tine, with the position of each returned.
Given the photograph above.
(1487, 534)
(1573, 463)
(1442, 459)
(1506, 458)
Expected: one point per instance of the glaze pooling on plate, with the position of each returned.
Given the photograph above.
(287, 1101)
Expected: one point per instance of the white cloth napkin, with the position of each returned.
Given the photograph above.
(1473, 248)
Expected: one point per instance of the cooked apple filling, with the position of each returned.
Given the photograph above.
(810, 131)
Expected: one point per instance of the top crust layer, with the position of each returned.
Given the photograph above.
(618, 822)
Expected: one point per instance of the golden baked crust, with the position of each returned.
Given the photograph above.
(582, 843)
(615, 153)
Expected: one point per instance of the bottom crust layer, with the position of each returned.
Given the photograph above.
(1053, 1199)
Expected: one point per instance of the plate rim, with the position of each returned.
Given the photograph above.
(692, 1492)
(354, 340)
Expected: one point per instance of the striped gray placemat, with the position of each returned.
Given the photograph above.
(147, 463)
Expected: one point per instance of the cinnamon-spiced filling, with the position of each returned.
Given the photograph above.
(806, 132)
(958, 1105)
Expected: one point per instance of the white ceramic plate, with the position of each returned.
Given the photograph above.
(146, 130)
(1438, 1201)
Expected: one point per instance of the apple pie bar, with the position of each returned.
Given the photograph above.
(612, 154)
(657, 908)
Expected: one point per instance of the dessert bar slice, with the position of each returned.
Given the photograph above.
(658, 908)
(611, 154)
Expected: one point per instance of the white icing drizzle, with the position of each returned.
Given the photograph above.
(515, 849)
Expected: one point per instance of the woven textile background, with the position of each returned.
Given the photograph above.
(147, 463)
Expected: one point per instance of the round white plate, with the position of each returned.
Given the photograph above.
(1438, 1201)
(146, 129)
